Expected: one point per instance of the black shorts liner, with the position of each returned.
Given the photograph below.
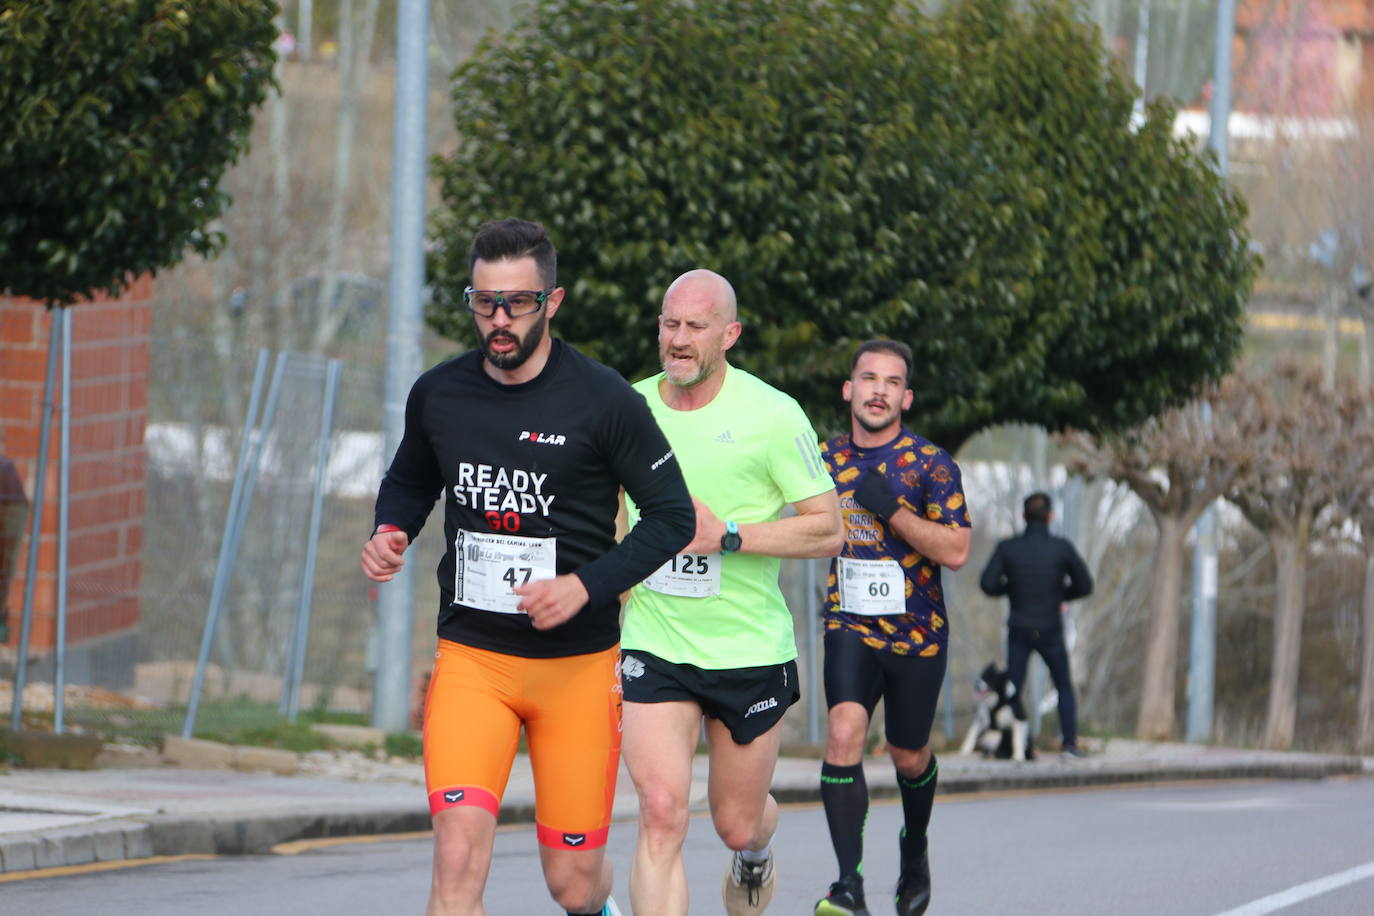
(749, 701)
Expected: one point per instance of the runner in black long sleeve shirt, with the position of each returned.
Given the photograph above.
(530, 443)
(541, 459)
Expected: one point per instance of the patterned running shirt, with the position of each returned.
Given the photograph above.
(927, 481)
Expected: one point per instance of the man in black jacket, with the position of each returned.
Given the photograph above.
(1038, 572)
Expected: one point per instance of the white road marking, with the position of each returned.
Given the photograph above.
(1258, 803)
(1302, 892)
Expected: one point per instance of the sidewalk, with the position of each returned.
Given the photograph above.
(52, 818)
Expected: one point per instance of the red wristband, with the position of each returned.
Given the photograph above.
(384, 529)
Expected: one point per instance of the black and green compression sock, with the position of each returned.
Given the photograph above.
(844, 792)
(918, 795)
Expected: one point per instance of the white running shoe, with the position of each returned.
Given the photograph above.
(749, 886)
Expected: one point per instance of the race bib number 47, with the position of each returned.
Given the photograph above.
(488, 568)
(688, 575)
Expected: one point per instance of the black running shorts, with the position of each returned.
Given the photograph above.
(909, 685)
(749, 701)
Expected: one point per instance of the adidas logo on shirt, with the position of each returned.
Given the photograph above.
(726, 438)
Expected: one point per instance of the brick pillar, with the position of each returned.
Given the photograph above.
(109, 408)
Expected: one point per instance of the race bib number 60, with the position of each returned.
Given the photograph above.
(688, 575)
(871, 587)
(488, 568)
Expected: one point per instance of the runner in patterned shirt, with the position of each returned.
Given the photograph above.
(886, 627)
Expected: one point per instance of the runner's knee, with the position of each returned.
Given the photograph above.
(575, 889)
(846, 739)
(456, 854)
(663, 811)
(740, 827)
(737, 833)
(910, 763)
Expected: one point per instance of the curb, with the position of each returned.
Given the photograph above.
(1084, 776)
(106, 841)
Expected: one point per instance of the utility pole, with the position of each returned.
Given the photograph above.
(1142, 57)
(396, 604)
(1202, 647)
(305, 26)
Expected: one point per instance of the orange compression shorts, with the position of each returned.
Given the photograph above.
(570, 709)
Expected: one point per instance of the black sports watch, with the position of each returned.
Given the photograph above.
(729, 541)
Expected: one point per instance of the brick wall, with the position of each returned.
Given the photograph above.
(109, 402)
(1317, 26)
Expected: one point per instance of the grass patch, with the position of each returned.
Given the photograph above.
(404, 744)
(232, 721)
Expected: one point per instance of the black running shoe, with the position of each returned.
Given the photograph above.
(913, 888)
(846, 898)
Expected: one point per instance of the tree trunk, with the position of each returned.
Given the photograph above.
(1290, 552)
(1364, 733)
(1155, 721)
(1367, 351)
(1331, 337)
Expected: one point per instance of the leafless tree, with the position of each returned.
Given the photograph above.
(1177, 464)
(1356, 504)
(1305, 446)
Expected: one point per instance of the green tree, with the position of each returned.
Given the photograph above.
(117, 120)
(970, 183)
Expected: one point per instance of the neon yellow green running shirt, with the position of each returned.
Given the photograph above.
(746, 455)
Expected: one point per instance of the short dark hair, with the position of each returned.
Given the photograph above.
(880, 345)
(1037, 507)
(512, 239)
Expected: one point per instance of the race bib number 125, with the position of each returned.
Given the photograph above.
(688, 575)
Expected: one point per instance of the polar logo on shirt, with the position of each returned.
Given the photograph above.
(488, 488)
(542, 438)
(662, 461)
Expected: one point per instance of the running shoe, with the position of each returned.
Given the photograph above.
(749, 886)
(913, 889)
(846, 898)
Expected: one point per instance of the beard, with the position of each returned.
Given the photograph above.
(677, 378)
(875, 427)
(524, 347)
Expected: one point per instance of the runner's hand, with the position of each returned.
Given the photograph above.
(382, 555)
(710, 529)
(875, 495)
(551, 602)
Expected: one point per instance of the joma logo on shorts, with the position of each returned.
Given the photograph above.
(760, 706)
(542, 438)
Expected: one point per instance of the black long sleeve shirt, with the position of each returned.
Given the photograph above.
(537, 460)
(1038, 572)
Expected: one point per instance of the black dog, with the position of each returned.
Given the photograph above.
(999, 727)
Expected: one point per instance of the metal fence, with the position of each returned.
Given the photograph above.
(138, 682)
